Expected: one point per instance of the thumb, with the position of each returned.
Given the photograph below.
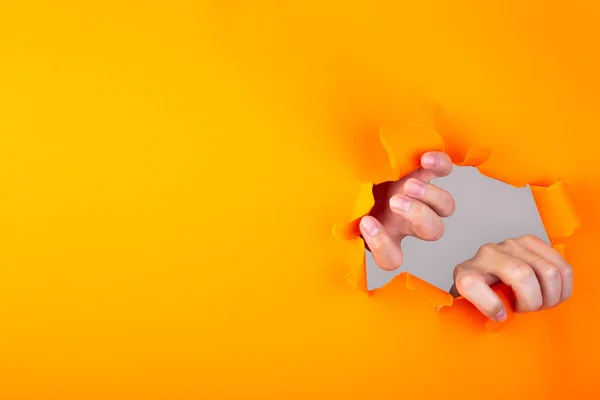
(386, 252)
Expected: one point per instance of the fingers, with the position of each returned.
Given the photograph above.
(435, 164)
(423, 222)
(421, 204)
(472, 284)
(546, 273)
(408, 206)
(490, 267)
(538, 275)
(514, 272)
(535, 245)
(436, 198)
(386, 252)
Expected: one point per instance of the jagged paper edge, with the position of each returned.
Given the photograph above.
(548, 200)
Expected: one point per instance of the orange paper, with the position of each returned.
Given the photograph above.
(171, 173)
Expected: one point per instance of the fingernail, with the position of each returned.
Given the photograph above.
(370, 225)
(399, 203)
(501, 316)
(414, 188)
(430, 160)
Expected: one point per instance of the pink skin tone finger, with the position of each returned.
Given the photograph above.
(397, 214)
(514, 272)
(535, 271)
(434, 164)
(555, 258)
(473, 286)
(421, 220)
(396, 226)
(386, 252)
(547, 275)
(436, 198)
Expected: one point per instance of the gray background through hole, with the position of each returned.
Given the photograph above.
(487, 211)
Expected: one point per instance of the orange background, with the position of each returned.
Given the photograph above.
(170, 173)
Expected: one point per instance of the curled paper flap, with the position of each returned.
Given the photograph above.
(466, 311)
(349, 228)
(405, 144)
(475, 157)
(357, 274)
(557, 210)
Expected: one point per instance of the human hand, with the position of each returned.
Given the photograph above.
(410, 206)
(539, 276)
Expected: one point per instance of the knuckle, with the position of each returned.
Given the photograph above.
(449, 205)
(531, 305)
(388, 256)
(452, 210)
(486, 250)
(510, 244)
(568, 272)
(550, 303)
(411, 182)
(389, 263)
(550, 272)
(529, 239)
(376, 245)
(436, 233)
(429, 230)
(465, 282)
(394, 257)
(522, 272)
(458, 271)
